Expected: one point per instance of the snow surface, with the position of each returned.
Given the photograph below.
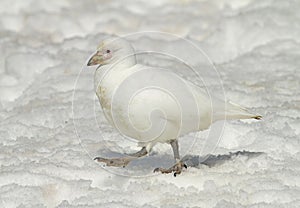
(46, 163)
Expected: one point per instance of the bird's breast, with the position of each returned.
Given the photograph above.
(103, 97)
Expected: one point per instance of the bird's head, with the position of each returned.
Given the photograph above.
(110, 51)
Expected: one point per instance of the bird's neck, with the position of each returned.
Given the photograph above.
(123, 58)
(113, 71)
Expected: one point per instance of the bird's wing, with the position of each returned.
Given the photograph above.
(222, 109)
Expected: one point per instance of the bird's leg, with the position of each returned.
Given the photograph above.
(122, 161)
(177, 168)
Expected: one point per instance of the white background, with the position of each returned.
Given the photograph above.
(43, 46)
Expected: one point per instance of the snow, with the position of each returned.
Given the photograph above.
(45, 162)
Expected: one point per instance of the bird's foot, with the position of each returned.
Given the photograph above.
(176, 169)
(117, 162)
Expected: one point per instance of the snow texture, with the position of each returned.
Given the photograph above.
(45, 162)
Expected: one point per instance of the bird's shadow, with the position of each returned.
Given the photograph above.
(215, 160)
(146, 164)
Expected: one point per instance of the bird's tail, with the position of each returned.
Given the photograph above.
(234, 111)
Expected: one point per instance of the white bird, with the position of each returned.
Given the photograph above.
(152, 105)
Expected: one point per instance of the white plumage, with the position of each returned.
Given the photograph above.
(151, 104)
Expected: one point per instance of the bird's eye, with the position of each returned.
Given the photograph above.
(107, 51)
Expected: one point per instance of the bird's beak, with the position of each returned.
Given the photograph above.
(96, 59)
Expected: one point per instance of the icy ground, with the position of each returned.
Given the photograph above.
(43, 45)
